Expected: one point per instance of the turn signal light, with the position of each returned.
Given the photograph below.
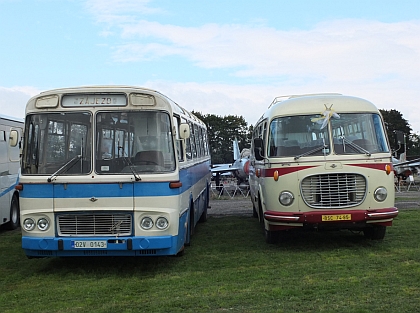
(175, 184)
(388, 169)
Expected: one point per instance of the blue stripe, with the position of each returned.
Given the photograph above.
(188, 177)
(6, 191)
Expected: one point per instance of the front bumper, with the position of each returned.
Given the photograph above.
(121, 246)
(330, 218)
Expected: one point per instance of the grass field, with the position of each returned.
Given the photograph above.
(228, 268)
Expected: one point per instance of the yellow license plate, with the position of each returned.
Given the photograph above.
(336, 217)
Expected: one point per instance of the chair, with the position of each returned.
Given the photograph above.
(411, 183)
(151, 157)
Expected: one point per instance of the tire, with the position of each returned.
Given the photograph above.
(375, 232)
(14, 214)
(260, 213)
(271, 237)
(254, 211)
(204, 216)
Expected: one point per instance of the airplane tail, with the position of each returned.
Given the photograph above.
(236, 152)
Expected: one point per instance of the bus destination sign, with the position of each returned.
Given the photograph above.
(84, 100)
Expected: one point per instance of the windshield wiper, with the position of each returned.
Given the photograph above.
(65, 167)
(129, 163)
(354, 146)
(132, 168)
(311, 151)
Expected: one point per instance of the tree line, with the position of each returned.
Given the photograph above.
(222, 130)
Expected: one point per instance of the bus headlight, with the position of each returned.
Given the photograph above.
(162, 223)
(28, 224)
(146, 223)
(380, 194)
(286, 198)
(43, 224)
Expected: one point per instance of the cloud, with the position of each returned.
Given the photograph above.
(13, 100)
(335, 50)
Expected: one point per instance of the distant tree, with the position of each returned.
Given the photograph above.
(222, 131)
(395, 122)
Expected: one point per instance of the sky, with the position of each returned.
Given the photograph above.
(222, 57)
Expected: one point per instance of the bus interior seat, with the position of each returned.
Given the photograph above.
(153, 157)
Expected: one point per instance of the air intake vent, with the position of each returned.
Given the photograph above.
(333, 190)
(94, 224)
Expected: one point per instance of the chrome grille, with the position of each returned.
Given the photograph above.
(333, 190)
(94, 224)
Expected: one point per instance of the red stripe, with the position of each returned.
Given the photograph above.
(287, 170)
(269, 172)
(375, 166)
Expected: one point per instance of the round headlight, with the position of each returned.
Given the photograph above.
(286, 198)
(146, 223)
(43, 224)
(380, 194)
(28, 224)
(162, 223)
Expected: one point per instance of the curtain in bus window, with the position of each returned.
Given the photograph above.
(58, 142)
(358, 133)
(134, 141)
(294, 136)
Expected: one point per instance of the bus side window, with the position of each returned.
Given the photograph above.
(187, 142)
(178, 141)
(192, 142)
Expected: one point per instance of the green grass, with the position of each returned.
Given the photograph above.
(228, 268)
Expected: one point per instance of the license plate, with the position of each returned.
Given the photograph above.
(336, 217)
(89, 244)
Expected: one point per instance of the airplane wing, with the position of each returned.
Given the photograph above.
(412, 163)
(221, 168)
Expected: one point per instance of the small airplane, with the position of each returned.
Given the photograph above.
(239, 168)
(404, 168)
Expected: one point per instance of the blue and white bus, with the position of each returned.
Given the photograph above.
(111, 171)
(11, 131)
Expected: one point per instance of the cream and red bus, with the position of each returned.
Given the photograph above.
(322, 161)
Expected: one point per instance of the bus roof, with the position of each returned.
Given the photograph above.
(117, 89)
(316, 104)
(10, 118)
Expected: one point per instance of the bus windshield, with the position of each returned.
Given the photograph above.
(355, 133)
(139, 141)
(125, 142)
(352, 133)
(296, 136)
(58, 142)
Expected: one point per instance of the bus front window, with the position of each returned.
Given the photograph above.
(296, 136)
(358, 133)
(57, 141)
(134, 141)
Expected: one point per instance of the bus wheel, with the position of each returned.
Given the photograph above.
(203, 217)
(271, 237)
(254, 211)
(180, 252)
(14, 214)
(375, 232)
(260, 213)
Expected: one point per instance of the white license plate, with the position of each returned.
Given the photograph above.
(89, 244)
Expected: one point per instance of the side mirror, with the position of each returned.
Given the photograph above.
(400, 137)
(13, 138)
(184, 131)
(259, 149)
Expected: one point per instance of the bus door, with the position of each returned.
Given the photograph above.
(4, 172)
